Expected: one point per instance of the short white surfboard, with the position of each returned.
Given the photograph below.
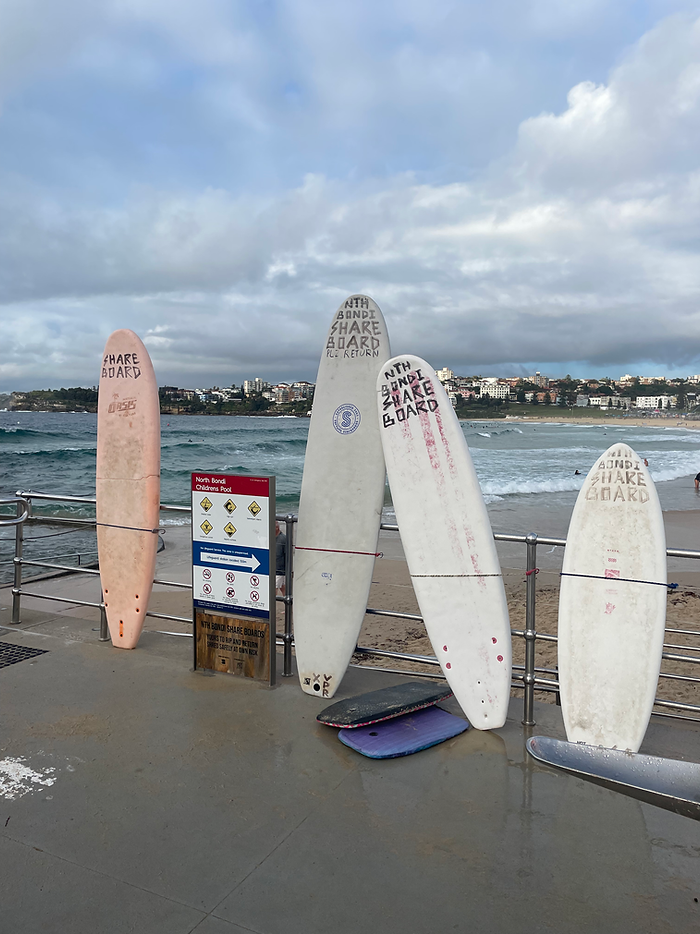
(447, 538)
(128, 484)
(342, 492)
(612, 604)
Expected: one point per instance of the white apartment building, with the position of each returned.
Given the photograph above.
(445, 374)
(254, 385)
(303, 389)
(656, 402)
(493, 388)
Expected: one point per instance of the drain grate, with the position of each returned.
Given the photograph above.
(11, 654)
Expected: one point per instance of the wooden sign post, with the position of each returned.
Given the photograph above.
(233, 574)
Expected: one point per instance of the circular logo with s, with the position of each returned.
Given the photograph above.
(346, 418)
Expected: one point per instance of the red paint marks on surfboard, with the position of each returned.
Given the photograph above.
(431, 447)
(127, 484)
(468, 532)
(446, 536)
(445, 445)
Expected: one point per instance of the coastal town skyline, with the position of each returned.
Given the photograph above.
(649, 393)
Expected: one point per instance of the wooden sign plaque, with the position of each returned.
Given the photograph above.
(233, 645)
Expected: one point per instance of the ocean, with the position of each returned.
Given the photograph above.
(526, 469)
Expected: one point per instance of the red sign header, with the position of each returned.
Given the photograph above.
(227, 483)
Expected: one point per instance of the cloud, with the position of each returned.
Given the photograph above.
(643, 124)
(577, 246)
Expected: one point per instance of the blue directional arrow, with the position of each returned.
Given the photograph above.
(235, 557)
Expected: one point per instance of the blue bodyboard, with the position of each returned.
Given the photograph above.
(402, 736)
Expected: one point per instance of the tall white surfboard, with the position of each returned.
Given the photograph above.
(128, 484)
(447, 538)
(342, 492)
(612, 604)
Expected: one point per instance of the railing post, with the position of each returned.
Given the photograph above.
(104, 629)
(530, 632)
(288, 596)
(17, 584)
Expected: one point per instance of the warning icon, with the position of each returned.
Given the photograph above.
(229, 528)
(229, 506)
(206, 504)
(206, 526)
(254, 509)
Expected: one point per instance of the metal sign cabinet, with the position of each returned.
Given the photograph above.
(233, 574)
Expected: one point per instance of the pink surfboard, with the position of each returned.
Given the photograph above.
(128, 484)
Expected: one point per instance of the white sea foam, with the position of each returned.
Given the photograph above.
(180, 520)
(501, 488)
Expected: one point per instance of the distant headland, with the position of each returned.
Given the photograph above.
(474, 397)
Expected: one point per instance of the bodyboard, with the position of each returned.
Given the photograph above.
(402, 736)
(377, 706)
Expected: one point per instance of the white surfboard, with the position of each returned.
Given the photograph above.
(612, 604)
(342, 492)
(447, 538)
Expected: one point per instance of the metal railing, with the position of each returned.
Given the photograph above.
(24, 500)
(528, 677)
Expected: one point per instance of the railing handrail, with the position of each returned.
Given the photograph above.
(92, 501)
(516, 538)
(16, 500)
(530, 680)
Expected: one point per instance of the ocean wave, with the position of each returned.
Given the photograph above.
(12, 432)
(501, 488)
(279, 443)
(484, 434)
(188, 444)
(175, 521)
(56, 454)
(655, 439)
(673, 473)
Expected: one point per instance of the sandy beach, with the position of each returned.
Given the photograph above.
(392, 590)
(613, 421)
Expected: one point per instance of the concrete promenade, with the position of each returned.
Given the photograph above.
(185, 802)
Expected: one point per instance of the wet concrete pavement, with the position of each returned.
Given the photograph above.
(188, 802)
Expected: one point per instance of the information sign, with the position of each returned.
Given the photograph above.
(233, 573)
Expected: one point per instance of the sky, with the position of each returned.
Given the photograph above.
(515, 183)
